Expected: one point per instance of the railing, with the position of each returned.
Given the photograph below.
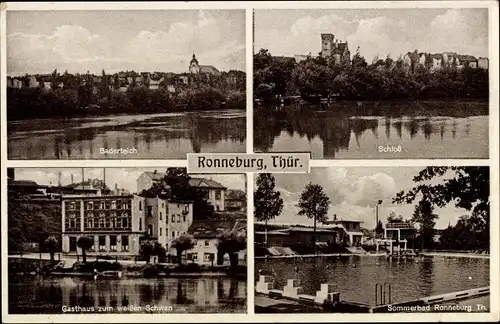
(383, 291)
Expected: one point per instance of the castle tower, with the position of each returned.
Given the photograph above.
(193, 65)
(327, 44)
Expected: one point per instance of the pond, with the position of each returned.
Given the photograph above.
(39, 295)
(153, 136)
(361, 130)
(355, 277)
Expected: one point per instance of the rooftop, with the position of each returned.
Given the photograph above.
(212, 228)
(205, 183)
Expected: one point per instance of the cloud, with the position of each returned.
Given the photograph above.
(457, 30)
(216, 41)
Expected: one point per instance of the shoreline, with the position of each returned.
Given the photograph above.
(427, 254)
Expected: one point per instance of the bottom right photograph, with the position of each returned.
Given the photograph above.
(373, 240)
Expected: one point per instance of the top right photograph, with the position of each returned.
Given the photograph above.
(372, 83)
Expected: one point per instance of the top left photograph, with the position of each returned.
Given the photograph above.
(149, 84)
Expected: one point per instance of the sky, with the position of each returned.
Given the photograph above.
(148, 40)
(125, 178)
(377, 32)
(354, 193)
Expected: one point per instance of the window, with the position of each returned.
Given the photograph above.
(102, 243)
(173, 218)
(217, 194)
(113, 204)
(178, 218)
(207, 243)
(178, 205)
(113, 222)
(208, 257)
(160, 231)
(162, 205)
(186, 208)
(150, 211)
(140, 224)
(72, 223)
(160, 216)
(118, 204)
(112, 242)
(124, 243)
(72, 205)
(140, 205)
(150, 230)
(192, 256)
(90, 205)
(184, 218)
(124, 222)
(173, 234)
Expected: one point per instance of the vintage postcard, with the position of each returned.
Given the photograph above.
(216, 162)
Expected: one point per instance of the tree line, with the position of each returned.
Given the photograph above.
(384, 79)
(465, 187)
(80, 96)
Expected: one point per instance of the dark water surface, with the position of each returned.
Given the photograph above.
(356, 130)
(355, 277)
(155, 136)
(168, 295)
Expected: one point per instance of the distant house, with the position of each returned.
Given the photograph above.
(32, 82)
(467, 61)
(47, 85)
(437, 61)
(171, 88)
(347, 231)
(299, 58)
(206, 233)
(209, 69)
(450, 59)
(155, 84)
(213, 191)
(24, 187)
(147, 179)
(412, 60)
(235, 199)
(483, 63)
(195, 68)
(16, 83)
(9, 82)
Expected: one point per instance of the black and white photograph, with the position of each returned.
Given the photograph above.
(372, 83)
(373, 240)
(126, 240)
(125, 84)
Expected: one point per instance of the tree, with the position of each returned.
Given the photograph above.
(467, 187)
(314, 203)
(51, 245)
(267, 200)
(230, 242)
(182, 243)
(85, 243)
(147, 249)
(424, 215)
(104, 86)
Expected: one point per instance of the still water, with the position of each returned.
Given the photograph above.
(356, 130)
(163, 295)
(154, 136)
(355, 277)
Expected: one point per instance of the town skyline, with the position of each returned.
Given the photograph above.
(377, 32)
(39, 42)
(125, 178)
(355, 191)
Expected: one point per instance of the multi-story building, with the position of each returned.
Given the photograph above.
(483, 63)
(108, 219)
(118, 224)
(347, 231)
(213, 191)
(331, 48)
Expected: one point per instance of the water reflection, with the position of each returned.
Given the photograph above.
(184, 295)
(355, 277)
(154, 136)
(351, 131)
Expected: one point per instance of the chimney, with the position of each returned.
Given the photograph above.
(155, 172)
(334, 216)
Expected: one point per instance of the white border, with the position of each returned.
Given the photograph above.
(492, 161)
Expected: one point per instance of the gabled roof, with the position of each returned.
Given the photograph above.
(205, 183)
(414, 57)
(23, 183)
(466, 57)
(155, 175)
(210, 228)
(208, 69)
(235, 194)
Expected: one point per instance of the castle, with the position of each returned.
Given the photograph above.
(331, 48)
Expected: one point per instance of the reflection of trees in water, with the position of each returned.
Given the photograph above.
(330, 125)
(200, 130)
(426, 277)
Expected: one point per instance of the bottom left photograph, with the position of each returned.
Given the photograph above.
(126, 240)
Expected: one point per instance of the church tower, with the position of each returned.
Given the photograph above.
(194, 66)
(327, 45)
